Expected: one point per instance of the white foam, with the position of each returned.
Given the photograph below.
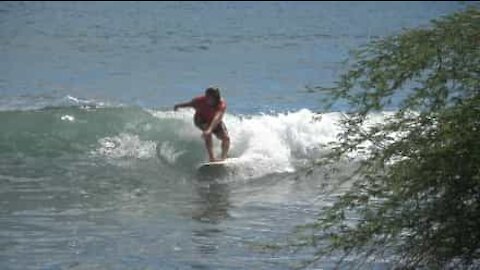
(67, 117)
(275, 143)
(126, 146)
(87, 103)
(263, 144)
(266, 144)
(167, 151)
(187, 131)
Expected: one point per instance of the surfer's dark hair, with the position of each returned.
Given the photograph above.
(213, 92)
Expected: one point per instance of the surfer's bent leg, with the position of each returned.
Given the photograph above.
(222, 134)
(208, 139)
(209, 145)
(225, 147)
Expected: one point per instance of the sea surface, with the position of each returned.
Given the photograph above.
(98, 172)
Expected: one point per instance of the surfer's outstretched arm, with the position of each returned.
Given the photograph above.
(183, 105)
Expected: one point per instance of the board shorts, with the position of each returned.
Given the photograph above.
(220, 130)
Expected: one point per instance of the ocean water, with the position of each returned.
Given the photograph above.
(98, 172)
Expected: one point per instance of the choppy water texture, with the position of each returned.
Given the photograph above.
(96, 171)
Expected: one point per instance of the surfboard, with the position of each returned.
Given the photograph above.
(217, 163)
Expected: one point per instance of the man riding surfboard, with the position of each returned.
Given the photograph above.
(209, 111)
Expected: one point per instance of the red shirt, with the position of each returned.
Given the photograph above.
(205, 111)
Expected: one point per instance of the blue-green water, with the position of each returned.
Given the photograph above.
(97, 172)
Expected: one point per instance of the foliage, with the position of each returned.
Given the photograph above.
(416, 193)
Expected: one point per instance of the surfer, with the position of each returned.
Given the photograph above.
(209, 111)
